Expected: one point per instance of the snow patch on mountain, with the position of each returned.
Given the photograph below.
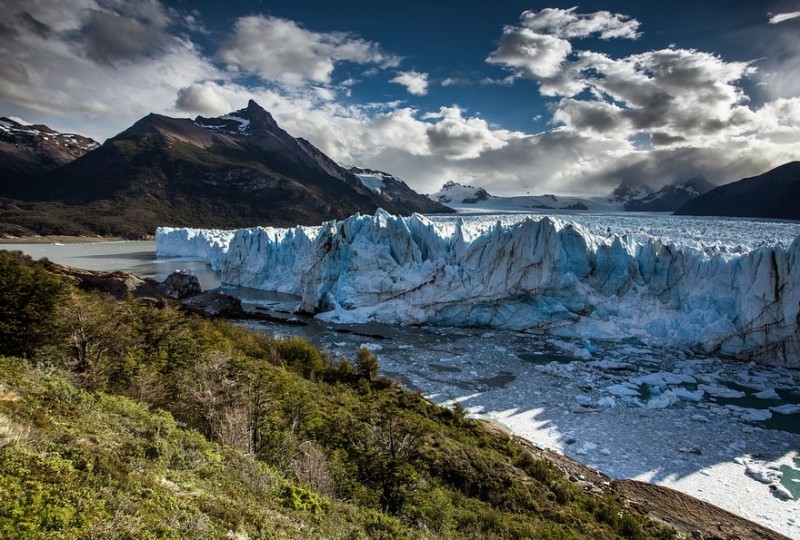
(531, 275)
(372, 180)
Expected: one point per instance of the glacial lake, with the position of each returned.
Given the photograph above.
(629, 410)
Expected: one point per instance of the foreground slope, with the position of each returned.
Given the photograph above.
(281, 436)
(773, 194)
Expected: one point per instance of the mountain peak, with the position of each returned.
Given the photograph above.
(454, 192)
(252, 119)
(252, 106)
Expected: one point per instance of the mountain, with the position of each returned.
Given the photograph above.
(469, 198)
(397, 192)
(773, 194)
(237, 170)
(27, 150)
(642, 198)
(627, 193)
(456, 194)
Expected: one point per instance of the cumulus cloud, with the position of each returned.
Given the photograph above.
(538, 56)
(203, 99)
(113, 37)
(62, 76)
(281, 50)
(540, 45)
(781, 17)
(568, 24)
(416, 83)
(679, 91)
(455, 137)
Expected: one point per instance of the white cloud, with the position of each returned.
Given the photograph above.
(203, 99)
(682, 92)
(691, 103)
(568, 24)
(538, 56)
(781, 17)
(280, 50)
(52, 75)
(455, 137)
(540, 46)
(416, 83)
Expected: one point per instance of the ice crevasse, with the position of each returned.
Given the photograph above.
(533, 275)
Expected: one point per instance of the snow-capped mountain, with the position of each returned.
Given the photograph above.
(469, 198)
(395, 190)
(643, 198)
(627, 193)
(455, 194)
(27, 150)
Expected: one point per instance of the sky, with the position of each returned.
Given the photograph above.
(516, 97)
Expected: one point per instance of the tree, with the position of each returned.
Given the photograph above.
(367, 364)
(29, 296)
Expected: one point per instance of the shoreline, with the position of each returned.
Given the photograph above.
(58, 239)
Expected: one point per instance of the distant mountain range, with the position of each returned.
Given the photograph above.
(626, 197)
(243, 170)
(774, 194)
(466, 198)
(237, 170)
(643, 198)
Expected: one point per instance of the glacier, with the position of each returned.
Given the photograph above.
(535, 274)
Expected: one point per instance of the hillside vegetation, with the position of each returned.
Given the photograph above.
(132, 419)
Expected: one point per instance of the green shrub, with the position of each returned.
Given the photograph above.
(367, 364)
(29, 296)
(299, 355)
(299, 498)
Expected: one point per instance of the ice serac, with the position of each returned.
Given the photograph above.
(209, 245)
(537, 274)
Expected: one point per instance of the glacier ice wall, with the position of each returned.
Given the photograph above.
(533, 275)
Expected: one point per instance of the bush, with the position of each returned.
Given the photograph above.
(367, 364)
(299, 498)
(300, 356)
(29, 296)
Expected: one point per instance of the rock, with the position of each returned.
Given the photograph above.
(179, 285)
(118, 284)
(214, 304)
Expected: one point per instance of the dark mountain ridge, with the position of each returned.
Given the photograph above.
(28, 150)
(773, 194)
(399, 194)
